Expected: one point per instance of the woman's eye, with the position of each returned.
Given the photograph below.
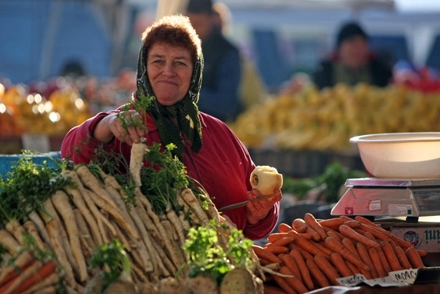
(181, 63)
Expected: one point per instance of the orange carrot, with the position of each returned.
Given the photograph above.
(374, 229)
(306, 255)
(283, 241)
(354, 269)
(276, 249)
(317, 273)
(315, 225)
(390, 255)
(401, 256)
(305, 273)
(378, 234)
(323, 248)
(306, 244)
(45, 271)
(375, 259)
(340, 264)
(294, 282)
(299, 225)
(365, 257)
(305, 236)
(350, 233)
(348, 243)
(366, 221)
(345, 218)
(284, 228)
(347, 254)
(327, 268)
(383, 260)
(13, 272)
(264, 254)
(414, 257)
(276, 236)
(331, 222)
(313, 233)
(283, 284)
(354, 224)
(269, 289)
(290, 262)
(334, 235)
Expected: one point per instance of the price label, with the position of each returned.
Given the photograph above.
(36, 142)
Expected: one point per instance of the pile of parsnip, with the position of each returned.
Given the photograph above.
(89, 211)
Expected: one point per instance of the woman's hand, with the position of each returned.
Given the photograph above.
(126, 126)
(258, 210)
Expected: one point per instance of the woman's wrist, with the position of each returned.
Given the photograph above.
(102, 131)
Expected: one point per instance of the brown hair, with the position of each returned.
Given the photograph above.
(175, 30)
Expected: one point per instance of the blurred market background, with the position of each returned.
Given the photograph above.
(61, 62)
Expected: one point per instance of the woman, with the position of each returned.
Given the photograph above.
(169, 68)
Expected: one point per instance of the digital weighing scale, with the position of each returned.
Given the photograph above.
(390, 197)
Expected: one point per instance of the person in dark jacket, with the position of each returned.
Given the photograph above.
(222, 72)
(352, 62)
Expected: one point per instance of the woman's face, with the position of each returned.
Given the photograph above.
(169, 69)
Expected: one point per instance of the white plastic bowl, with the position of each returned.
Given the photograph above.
(401, 155)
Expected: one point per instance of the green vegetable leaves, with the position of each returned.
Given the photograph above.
(115, 258)
(207, 257)
(28, 186)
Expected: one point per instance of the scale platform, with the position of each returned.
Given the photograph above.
(390, 197)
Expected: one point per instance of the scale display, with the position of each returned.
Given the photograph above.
(389, 197)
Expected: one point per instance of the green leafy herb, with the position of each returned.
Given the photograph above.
(207, 257)
(27, 186)
(115, 258)
(164, 178)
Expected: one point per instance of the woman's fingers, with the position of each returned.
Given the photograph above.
(126, 127)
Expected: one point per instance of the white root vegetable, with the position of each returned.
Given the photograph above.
(30, 227)
(61, 202)
(39, 224)
(16, 229)
(8, 241)
(178, 227)
(116, 214)
(99, 218)
(85, 235)
(55, 238)
(52, 214)
(91, 182)
(79, 201)
(192, 201)
(136, 161)
(175, 254)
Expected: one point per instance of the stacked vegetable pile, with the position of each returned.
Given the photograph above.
(325, 120)
(311, 253)
(164, 233)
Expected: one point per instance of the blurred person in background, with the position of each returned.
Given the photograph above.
(222, 70)
(252, 87)
(352, 62)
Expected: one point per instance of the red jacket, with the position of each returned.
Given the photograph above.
(223, 165)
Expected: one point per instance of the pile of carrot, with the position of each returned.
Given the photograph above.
(311, 253)
(29, 275)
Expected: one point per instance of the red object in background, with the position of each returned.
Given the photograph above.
(423, 80)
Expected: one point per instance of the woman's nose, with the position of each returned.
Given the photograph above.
(168, 69)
